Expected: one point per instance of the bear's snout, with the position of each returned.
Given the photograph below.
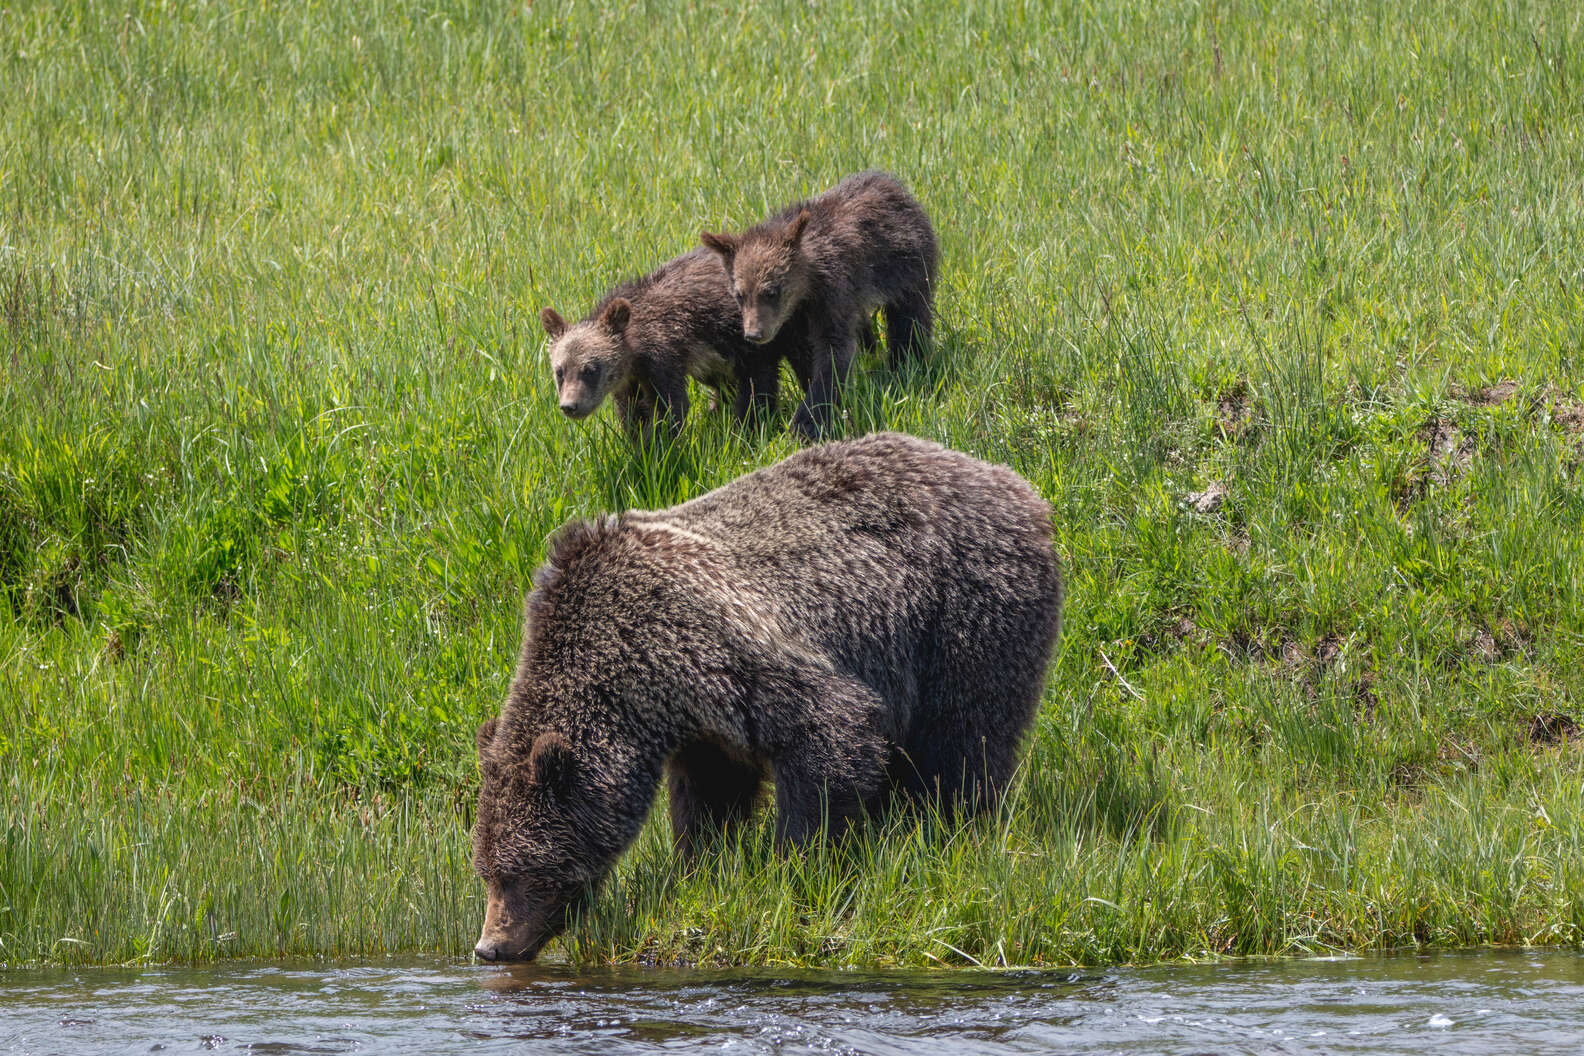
(515, 926)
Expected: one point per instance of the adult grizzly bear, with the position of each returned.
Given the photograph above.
(814, 274)
(864, 618)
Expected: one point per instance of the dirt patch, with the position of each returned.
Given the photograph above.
(1211, 499)
(1450, 451)
(1409, 776)
(1552, 728)
(1248, 646)
(1570, 416)
(1485, 647)
(1489, 396)
(1185, 630)
(1491, 644)
(1458, 756)
(1365, 703)
(1235, 411)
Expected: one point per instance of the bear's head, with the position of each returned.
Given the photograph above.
(589, 358)
(536, 839)
(768, 276)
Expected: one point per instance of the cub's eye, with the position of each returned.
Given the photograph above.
(589, 373)
(560, 372)
(739, 295)
(769, 294)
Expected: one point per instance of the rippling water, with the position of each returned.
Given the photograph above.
(1483, 1002)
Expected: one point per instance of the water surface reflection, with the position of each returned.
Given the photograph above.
(1480, 1002)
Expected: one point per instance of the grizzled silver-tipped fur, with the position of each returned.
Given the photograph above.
(865, 619)
(815, 273)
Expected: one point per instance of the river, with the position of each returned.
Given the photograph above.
(1491, 1001)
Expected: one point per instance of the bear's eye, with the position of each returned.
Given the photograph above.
(560, 372)
(770, 293)
(590, 372)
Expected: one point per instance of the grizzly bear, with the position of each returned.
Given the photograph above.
(646, 337)
(817, 271)
(864, 620)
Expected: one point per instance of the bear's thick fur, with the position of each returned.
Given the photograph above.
(647, 336)
(815, 273)
(865, 618)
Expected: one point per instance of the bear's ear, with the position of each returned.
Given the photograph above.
(552, 322)
(616, 315)
(725, 245)
(795, 232)
(486, 733)
(551, 763)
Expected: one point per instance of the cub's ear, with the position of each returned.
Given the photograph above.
(725, 245)
(616, 315)
(486, 732)
(795, 232)
(551, 763)
(552, 322)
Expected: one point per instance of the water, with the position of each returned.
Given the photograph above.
(1484, 1002)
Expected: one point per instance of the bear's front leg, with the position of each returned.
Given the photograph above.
(756, 390)
(671, 399)
(713, 791)
(833, 356)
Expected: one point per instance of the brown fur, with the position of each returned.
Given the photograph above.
(862, 620)
(646, 337)
(816, 272)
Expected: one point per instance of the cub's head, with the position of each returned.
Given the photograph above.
(768, 276)
(535, 840)
(589, 358)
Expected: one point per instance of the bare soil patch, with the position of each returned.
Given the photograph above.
(1552, 728)
(1489, 396)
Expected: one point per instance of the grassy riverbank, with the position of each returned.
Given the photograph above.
(1283, 311)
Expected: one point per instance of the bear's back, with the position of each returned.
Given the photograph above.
(860, 543)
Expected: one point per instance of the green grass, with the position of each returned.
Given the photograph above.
(279, 454)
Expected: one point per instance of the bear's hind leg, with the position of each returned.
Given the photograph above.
(713, 790)
(963, 751)
(833, 766)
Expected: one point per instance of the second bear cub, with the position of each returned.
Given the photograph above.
(816, 272)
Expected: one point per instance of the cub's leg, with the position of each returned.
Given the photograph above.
(758, 385)
(833, 354)
(909, 323)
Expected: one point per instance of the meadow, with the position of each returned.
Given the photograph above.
(1280, 304)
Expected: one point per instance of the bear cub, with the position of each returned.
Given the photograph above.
(646, 337)
(862, 622)
(818, 270)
